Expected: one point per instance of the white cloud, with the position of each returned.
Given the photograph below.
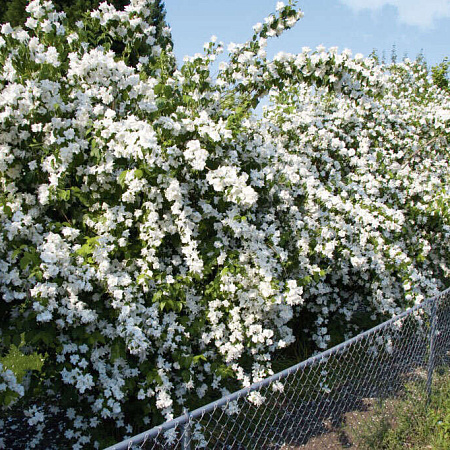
(421, 13)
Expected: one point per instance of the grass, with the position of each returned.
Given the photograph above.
(410, 422)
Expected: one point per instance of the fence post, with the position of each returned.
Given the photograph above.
(432, 348)
(186, 437)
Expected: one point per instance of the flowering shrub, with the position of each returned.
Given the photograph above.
(158, 236)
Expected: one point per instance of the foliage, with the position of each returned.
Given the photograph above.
(440, 74)
(13, 11)
(19, 363)
(160, 241)
(158, 20)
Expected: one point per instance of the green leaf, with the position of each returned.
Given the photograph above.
(161, 103)
(26, 260)
(186, 375)
(16, 253)
(121, 179)
(47, 337)
(36, 273)
(9, 397)
(118, 350)
(187, 99)
(95, 150)
(63, 194)
(7, 210)
(168, 91)
(96, 337)
(224, 371)
(17, 340)
(6, 341)
(84, 250)
(199, 358)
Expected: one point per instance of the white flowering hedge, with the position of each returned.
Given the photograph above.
(159, 237)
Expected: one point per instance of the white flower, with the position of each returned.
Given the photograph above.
(196, 155)
(258, 27)
(256, 398)
(6, 28)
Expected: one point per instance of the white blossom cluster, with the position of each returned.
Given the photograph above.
(159, 237)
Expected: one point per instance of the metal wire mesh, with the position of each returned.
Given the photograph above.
(311, 398)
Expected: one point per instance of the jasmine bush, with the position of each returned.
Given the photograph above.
(158, 237)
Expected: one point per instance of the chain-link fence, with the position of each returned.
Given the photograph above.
(309, 399)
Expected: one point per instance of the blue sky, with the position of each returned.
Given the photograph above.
(360, 25)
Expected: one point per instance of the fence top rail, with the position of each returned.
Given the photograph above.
(183, 419)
